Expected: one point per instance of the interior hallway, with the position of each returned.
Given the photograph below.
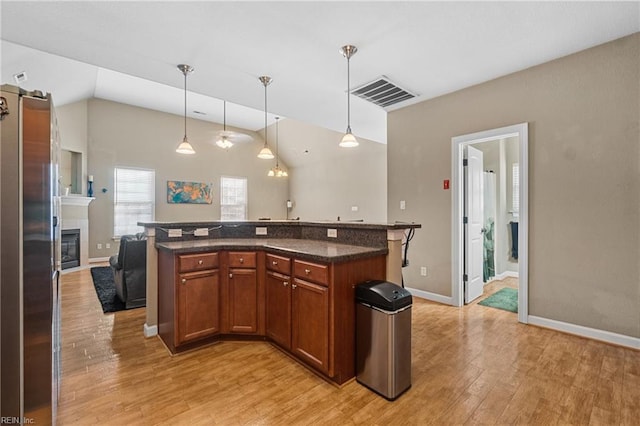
(471, 365)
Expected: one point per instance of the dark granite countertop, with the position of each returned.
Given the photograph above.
(324, 224)
(322, 251)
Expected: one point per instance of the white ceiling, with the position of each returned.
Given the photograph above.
(128, 51)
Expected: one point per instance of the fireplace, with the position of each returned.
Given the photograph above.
(70, 248)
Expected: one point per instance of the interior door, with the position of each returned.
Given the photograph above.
(473, 229)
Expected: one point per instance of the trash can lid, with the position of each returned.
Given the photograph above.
(383, 295)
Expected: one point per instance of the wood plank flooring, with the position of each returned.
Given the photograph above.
(471, 365)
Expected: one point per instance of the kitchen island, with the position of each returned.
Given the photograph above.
(293, 286)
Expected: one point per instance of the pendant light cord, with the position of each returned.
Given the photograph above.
(185, 105)
(265, 114)
(348, 95)
(277, 159)
(224, 116)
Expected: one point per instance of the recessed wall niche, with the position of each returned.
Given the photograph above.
(70, 172)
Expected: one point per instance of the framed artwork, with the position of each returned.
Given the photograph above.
(179, 192)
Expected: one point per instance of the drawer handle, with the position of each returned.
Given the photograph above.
(241, 260)
(274, 263)
(284, 283)
(200, 262)
(184, 281)
(230, 275)
(307, 271)
(293, 286)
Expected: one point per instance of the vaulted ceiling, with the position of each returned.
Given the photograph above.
(128, 51)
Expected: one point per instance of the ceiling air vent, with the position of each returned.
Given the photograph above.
(382, 92)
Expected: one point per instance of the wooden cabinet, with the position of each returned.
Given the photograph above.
(279, 308)
(305, 307)
(188, 298)
(244, 302)
(198, 306)
(310, 324)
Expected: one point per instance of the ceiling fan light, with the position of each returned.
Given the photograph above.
(349, 141)
(224, 143)
(271, 173)
(266, 154)
(185, 147)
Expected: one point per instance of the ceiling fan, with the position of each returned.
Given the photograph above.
(227, 138)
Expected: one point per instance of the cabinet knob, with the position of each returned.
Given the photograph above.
(241, 260)
(293, 286)
(230, 275)
(184, 281)
(284, 283)
(307, 271)
(200, 262)
(274, 263)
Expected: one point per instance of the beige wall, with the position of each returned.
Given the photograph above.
(72, 124)
(328, 181)
(584, 184)
(127, 136)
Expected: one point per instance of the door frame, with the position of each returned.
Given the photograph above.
(457, 211)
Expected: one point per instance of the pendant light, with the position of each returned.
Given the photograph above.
(224, 142)
(277, 171)
(348, 140)
(185, 147)
(265, 152)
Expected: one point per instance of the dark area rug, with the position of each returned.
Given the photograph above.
(106, 289)
(505, 299)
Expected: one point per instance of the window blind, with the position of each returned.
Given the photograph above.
(233, 198)
(134, 200)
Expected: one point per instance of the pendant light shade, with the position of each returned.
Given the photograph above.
(277, 171)
(185, 147)
(265, 153)
(348, 140)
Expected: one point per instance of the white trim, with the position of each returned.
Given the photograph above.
(430, 296)
(98, 259)
(76, 200)
(457, 267)
(150, 331)
(590, 333)
(506, 274)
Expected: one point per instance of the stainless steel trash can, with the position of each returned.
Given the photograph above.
(383, 338)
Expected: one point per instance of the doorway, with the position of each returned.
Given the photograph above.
(459, 145)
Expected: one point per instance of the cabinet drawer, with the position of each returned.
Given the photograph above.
(242, 259)
(279, 264)
(311, 271)
(197, 262)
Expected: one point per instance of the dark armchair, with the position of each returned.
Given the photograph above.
(130, 270)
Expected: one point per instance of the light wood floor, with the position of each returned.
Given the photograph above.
(471, 365)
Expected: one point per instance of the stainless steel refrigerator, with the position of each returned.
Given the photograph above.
(29, 257)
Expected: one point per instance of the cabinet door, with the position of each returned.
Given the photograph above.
(198, 305)
(243, 300)
(279, 308)
(310, 322)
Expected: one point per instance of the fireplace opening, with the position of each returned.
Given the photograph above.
(70, 245)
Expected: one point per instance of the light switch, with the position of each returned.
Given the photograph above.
(403, 205)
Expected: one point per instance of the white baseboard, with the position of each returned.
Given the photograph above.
(447, 300)
(150, 331)
(75, 269)
(507, 274)
(98, 259)
(591, 333)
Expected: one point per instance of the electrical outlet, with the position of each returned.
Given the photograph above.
(173, 233)
(332, 233)
(423, 271)
(354, 208)
(200, 232)
(261, 230)
(107, 246)
(403, 205)
(99, 245)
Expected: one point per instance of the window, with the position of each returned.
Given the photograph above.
(233, 198)
(515, 187)
(134, 200)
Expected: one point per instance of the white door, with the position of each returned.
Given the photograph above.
(473, 229)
